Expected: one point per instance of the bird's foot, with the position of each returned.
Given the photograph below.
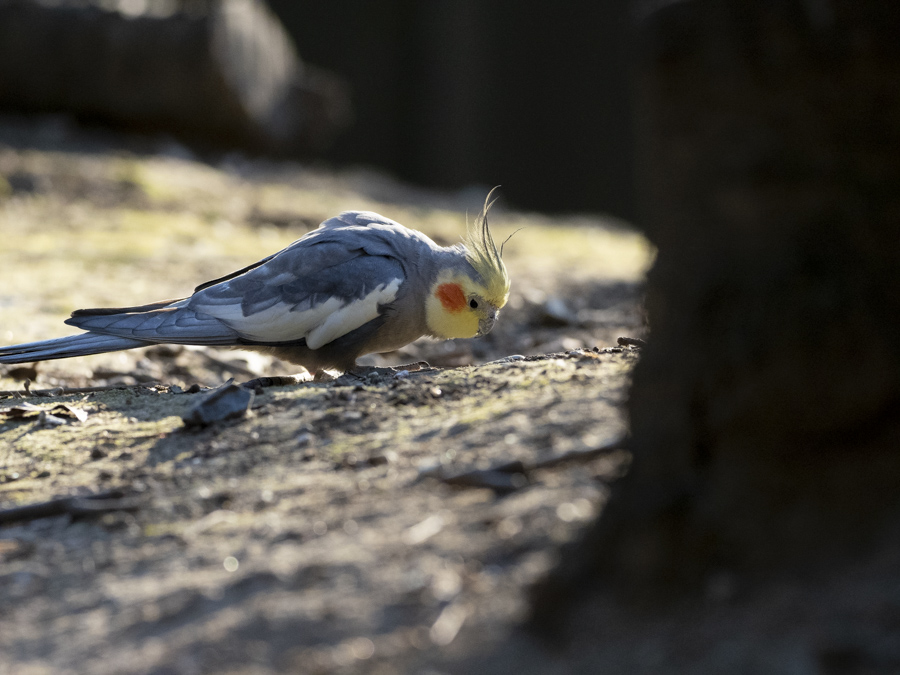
(360, 373)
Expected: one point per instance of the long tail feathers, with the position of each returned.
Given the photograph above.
(65, 347)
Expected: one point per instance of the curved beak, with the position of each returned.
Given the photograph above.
(486, 324)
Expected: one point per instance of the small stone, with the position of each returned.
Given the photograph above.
(509, 359)
(424, 530)
(46, 420)
(387, 457)
(430, 469)
(97, 453)
(227, 402)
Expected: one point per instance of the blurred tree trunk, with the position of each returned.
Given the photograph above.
(222, 72)
(765, 411)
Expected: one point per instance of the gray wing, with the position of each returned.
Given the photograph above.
(326, 284)
(317, 292)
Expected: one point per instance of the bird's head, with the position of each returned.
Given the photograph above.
(465, 301)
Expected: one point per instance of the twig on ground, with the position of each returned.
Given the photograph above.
(62, 391)
(96, 504)
(576, 456)
(502, 478)
(631, 342)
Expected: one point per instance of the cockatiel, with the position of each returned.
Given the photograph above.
(359, 284)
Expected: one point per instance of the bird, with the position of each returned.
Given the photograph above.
(358, 284)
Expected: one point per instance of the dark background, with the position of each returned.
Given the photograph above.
(446, 93)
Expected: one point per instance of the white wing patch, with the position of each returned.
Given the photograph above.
(319, 324)
(352, 315)
(278, 323)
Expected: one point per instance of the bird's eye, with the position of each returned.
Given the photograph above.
(473, 303)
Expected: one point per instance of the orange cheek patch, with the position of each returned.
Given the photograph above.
(452, 297)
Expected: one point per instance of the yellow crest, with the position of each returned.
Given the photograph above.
(484, 256)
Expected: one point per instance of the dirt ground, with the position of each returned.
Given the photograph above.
(381, 525)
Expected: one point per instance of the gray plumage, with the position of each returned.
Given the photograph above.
(356, 285)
